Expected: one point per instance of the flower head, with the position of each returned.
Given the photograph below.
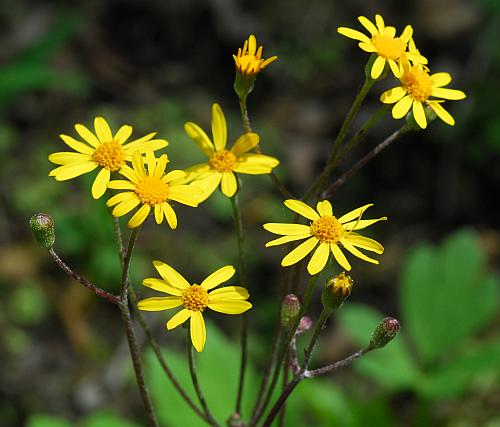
(326, 230)
(416, 88)
(100, 150)
(384, 43)
(150, 188)
(223, 163)
(194, 298)
(249, 59)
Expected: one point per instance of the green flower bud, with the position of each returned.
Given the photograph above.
(337, 290)
(290, 308)
(42, 227)
(386, 330)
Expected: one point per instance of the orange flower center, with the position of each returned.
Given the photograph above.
(109, 155)
(223, 161)
(327, 229)
(151, 190)
(417, 84)
(389, 47)
(195, 298)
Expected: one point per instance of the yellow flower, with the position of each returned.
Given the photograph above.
(194, 298)
(249, 59)
(384, 43)
(223, 163)
(151, 188)
(102, 150)
(327, 230)
(416, 87)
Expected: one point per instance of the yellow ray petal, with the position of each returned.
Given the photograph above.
(364, 243)
(217, 277)
(65, 157)
(324, 208)
(380, 23)
(319, 259)
(287, 229)
(158, 214)
(161, 166)
(440, 79)
(199, 136)
(129, 173)
(175, 175)
(377, 67)
(123, 134)
(394, 67)
(256, 164)
(228, 184)
(170, 275)
(170, 215)
(139, 217)
(392, 95)
(441, 92)
(102, 130)
(354, 214)
(125, 207)
(442, 113)
(178, 318)
(340, 257)
(245, 143)
(76, 145)
(419, 114)
(198, 331)
(219, 128)
(299, 252)
(138, 164)
(236, 306)
(365, 22)
(87, 135)
(161, 286)
(228, 293)
(302, 209)
(121, 197)
(208, 184)
(402, 107)
(72, 170)
(356, 252)
(185, 194)
(367, 47)
(100, 183)
(358, 225)
(159, 303)
(353, 34)
(252, 45)
(286, 239)
(121, 184)
(137, 143)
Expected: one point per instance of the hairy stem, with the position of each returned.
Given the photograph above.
(240, 234)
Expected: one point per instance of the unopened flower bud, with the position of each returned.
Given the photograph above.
(290, 308)
(304, 325)
(42, 227)
(386, 330)
(235, 420)
(337, 290)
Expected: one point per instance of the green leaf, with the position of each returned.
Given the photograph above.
(445, 295)
(391, 366)
(454, 377)
(40, 420)
(218, 370)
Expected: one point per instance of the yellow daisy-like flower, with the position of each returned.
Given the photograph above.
(194, 298)
(249, 59)
(100, 150)
(223, 163)
(151, 188)
(327, 230)
(384, 43)
(416, 87)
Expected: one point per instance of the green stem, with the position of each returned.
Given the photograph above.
(317, 186)
(194, 378)
(240, 234)
(323, 317)
(311, 286)
(129, 329)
